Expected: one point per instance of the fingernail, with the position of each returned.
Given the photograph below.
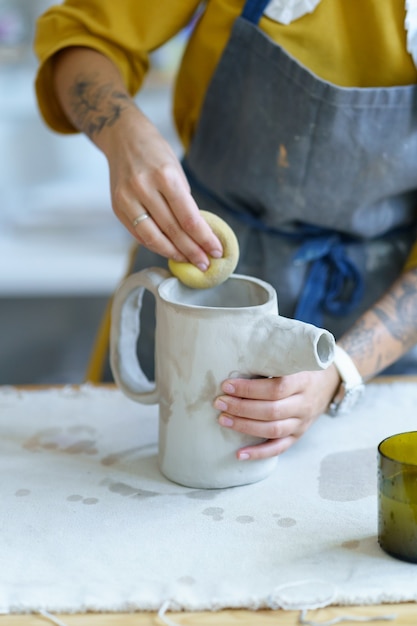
(219, 404)
(203, 266)
(216, 254)
(225, 421)
(243, 456)
(228, 388)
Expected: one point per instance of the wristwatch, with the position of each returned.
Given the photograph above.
(351, 389)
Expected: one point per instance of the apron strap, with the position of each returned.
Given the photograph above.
(253, 10)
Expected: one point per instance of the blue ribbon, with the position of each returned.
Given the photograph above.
(333, 285)
(253, 10)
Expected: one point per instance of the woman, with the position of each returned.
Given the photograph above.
(300, 130)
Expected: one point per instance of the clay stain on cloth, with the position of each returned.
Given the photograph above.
(348, 476)
(73, 440)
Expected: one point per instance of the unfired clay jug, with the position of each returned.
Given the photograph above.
(202, 338)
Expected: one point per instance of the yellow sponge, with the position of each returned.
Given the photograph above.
(220, 269)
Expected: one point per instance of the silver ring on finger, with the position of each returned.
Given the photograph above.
(140, 218)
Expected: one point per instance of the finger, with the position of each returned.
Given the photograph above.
(150, 235)
(263, 430)
(263, 410)
(263, 388)
(171, 183)
(266, 450)
(168, 223)
(179, 199)
(145, 231)
(187, 250)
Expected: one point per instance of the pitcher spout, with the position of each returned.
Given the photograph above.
(280, 346)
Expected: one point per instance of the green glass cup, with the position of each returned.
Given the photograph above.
(397, 496)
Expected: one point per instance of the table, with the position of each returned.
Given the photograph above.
(404, 614)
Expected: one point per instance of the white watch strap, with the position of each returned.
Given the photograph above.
(346, 368)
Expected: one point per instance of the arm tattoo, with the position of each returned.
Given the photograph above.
(398, 310)
(360, 342)
(96, 105)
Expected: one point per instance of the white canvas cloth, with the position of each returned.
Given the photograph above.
(87, 522)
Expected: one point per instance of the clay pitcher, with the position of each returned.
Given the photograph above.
(202, 338)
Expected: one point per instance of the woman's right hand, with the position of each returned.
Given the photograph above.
(146, 177)
(145, 174)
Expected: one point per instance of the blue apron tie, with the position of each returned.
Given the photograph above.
(253, 10)
(333, 283)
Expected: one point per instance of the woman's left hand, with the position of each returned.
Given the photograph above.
(279, 410)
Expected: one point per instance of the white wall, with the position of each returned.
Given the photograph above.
(62, 251)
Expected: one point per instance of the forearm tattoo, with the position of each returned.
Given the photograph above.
(95, 105)
(398, 310)
(361, 341)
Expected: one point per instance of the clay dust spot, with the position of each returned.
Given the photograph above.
(125, 490)
(215, 512)
(77, 498)
(285, 522)
(245, 519)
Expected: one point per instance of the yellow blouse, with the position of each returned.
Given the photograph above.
(351, 43)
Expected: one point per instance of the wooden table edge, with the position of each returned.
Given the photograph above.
(403, 614)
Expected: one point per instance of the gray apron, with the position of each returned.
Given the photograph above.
(317, 181)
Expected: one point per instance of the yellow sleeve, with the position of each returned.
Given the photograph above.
(125, 32)
(411, 262)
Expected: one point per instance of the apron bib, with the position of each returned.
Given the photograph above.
(317, 181)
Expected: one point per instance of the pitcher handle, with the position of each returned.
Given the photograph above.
(125, 331)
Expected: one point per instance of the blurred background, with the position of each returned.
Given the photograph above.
(62, 250)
